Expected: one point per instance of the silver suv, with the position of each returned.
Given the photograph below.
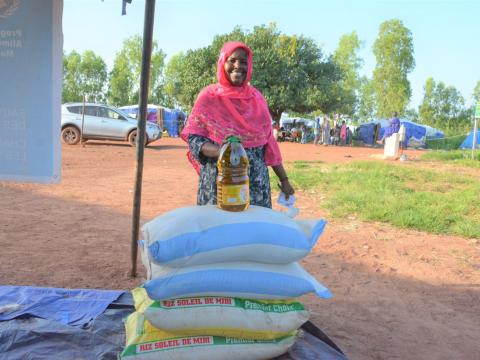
(102, 122)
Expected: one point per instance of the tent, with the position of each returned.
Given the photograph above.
(173, 120)
(366, 131)
(296, 122)
(433, 133)
(415, 134)
(468, 142)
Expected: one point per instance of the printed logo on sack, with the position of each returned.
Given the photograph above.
(8, 8)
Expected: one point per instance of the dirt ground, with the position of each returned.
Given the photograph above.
(398, 294)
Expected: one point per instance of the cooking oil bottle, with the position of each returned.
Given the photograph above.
(233, 192)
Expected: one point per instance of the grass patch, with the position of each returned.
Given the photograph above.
(434, 201)
(457, 157)
(448, 143)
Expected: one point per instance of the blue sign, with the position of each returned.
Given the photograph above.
(30, 90)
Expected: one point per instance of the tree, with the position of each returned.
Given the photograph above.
(125, 76)
(173, 82)
(393, 50)
(84, 74)
(443, 107)
(367, 107)
(71, 82)
(345, 56)
(476, 92)
(290, 71)
(412, 114)
(426, 110)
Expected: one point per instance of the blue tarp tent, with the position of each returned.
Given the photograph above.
(433, 133)
(468, 142)
(366, 131)
(172, 119)
(415, 134)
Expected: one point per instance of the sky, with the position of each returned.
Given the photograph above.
(445, 33)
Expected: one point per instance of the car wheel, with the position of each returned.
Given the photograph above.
(132, 138)
(71, 135)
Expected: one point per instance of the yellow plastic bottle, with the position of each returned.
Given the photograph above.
(233, 192)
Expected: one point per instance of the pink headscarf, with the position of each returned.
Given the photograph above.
(223, 109)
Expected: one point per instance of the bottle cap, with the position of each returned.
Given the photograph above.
(233, 139)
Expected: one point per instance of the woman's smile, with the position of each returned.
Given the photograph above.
(236, 67)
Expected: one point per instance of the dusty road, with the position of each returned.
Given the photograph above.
(397, 294)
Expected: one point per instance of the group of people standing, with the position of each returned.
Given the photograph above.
(328, 133)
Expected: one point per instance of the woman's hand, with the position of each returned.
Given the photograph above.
(283, 184)
(286, 187)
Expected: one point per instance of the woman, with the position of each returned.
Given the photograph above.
(234, 107)
(343, 134)
(326, 132)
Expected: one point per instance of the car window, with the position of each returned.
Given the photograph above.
(114, 115)
(75, 109)
(92, 111)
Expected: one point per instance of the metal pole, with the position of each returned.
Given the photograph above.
(144, 87)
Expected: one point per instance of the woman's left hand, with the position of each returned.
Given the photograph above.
(286, 187)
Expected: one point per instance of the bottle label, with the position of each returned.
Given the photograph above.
(235, 194)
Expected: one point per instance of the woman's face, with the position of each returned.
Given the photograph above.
(236, 67)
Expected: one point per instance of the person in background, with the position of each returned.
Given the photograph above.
(336, 135)
(349, 137)
(316, 131)
(282, 134)
(294, 132)
(326, 131)
(393, 126)
(275, 131)
(343, 133)
(304, 135)
(233, 107)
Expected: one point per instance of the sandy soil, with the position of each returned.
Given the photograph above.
(397, 294)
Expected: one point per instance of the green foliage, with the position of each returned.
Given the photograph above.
(447, 143)
(345, 56)
(289, 70)
(443, 107)
(441, 202)
(412, 114)
(125, 75)
(172, 84)
(393, 50)
(367, 107)
(476, 92)
(84, 74)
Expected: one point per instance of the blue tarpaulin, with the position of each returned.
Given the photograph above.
(172, 118)
(415, 134)
(67, 306)
(103, 337)
(365, 132)
(468, 142)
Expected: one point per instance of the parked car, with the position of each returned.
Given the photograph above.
(102, 122)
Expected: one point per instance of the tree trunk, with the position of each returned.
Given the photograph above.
(276, 114)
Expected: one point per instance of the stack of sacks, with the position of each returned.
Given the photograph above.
(221, 285)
